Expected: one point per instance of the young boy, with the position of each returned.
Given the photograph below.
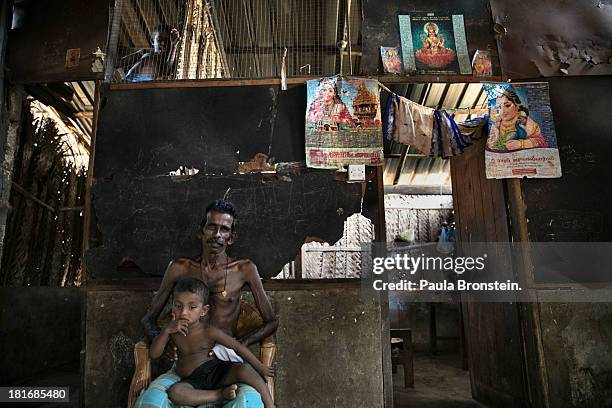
(195, 337)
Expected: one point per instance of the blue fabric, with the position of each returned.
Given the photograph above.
(156, 395)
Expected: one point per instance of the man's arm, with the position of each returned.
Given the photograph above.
(220, 337)
(270, 323)
(175, 270)
(175, 38)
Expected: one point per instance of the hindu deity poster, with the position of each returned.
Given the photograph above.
(521, 141)
(392, 64)
(434, 44)
(343, 123)
(481, 63)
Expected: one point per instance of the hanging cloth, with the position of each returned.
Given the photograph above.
(409, 123)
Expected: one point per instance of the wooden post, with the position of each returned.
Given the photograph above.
(87, 210)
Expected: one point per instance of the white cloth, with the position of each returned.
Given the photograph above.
(226, 354)
(413, 124)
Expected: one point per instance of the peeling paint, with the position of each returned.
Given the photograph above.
(574, 40)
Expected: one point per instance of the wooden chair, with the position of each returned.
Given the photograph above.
(248, 321)
(405, 356)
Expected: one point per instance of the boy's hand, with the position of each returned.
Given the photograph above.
(266, 371)
(177, 326)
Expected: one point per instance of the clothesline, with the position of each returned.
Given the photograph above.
(456, 111)
(433, 132)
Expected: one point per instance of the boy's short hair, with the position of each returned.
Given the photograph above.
(192, 285)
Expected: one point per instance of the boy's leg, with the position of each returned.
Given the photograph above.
(247, 374)
(156, 394)
(246, 397)
(183, 393)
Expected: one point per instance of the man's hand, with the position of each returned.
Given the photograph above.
(174, 36)
(265, 371)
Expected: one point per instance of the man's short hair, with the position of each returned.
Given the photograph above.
(192, 285)
(222, 206)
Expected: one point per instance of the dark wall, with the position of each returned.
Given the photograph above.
(148, 217)
(154, 131)
(40, 331)
(380, 27)
(576, 207)
(576, 337)
(46, 30)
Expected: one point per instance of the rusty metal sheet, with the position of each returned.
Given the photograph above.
(554, 37)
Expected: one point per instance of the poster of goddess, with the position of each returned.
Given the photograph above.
(521, 138)
(343, 124)
(434, 44)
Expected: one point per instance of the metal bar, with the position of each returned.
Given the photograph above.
(333, 249)
(329, 49)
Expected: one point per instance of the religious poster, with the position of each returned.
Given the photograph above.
(481, 63)
(521, 139)
(343, 123)
(434, 44)
(392, 64)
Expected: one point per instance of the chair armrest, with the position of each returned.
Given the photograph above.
(142, 371)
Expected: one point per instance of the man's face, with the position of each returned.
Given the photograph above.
(161, 41)
(217, 232)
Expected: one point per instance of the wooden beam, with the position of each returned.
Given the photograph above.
(87, 206)
(84, 114)
(208, 83)
(31, 196)
(152, 284)
(416, 190)
(290, 80)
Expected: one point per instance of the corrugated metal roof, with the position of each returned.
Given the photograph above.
(407, 171)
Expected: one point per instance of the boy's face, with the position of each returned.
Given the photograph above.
(188, 306)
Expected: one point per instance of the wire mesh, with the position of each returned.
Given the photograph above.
(206, 39)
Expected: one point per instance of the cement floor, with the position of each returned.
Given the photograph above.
(439, 382)
(66, 376)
